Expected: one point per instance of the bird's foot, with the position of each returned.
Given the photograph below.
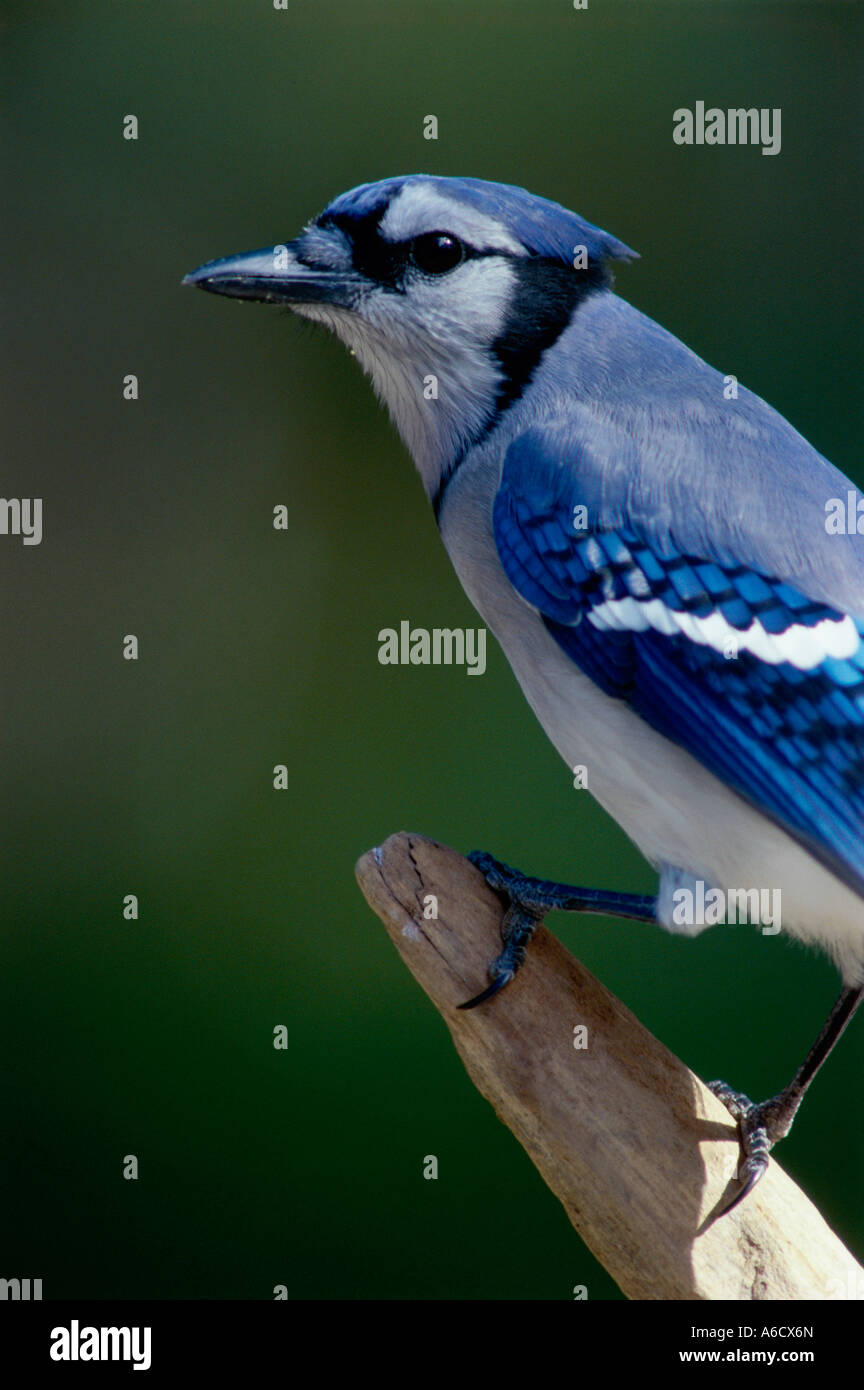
(760, 1126)
(529, 899)
(525, 911)
(541, 893)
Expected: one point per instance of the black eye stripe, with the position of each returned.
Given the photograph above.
(377, 259)
(386, 262)
(546, 291)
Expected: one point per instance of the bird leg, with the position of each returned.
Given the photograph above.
(529, 899)
(761, 1126)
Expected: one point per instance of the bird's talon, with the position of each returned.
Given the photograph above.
(754, 1136)
(499, 980)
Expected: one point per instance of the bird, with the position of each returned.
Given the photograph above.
(650, 543)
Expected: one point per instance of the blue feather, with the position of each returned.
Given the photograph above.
(790, 741)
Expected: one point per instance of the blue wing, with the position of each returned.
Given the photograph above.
(760, 681)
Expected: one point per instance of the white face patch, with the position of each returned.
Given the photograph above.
(427, 353)
(803, 647)
(421, 208)
(327, 246)
(468, 305)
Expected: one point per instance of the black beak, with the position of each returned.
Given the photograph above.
(275, 275)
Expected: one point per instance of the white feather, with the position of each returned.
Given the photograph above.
(420, 208)
(800, 646)
(440, 328)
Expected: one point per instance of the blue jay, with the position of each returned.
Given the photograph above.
(649, 548)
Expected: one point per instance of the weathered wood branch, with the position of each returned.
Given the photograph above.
(636, 1148)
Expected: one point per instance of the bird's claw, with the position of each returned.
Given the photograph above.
(501, 975)
(754, 1133)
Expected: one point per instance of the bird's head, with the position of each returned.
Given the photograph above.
(447, 290)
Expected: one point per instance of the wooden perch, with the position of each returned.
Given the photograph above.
(639, 1152)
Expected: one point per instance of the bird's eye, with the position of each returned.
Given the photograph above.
(436, 252)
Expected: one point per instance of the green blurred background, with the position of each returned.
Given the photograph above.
(304, 1167)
